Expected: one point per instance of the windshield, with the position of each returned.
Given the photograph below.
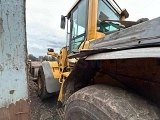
(106, 12)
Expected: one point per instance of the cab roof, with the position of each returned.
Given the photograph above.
(75, 4)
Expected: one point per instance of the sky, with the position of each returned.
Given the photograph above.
(43, 21)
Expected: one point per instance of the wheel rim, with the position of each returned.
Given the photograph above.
(39, 81)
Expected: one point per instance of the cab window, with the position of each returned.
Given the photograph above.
(106, 12)
(78, 25)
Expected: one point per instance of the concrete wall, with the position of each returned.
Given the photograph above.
(13, 57)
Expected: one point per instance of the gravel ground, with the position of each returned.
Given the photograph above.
(42, 110)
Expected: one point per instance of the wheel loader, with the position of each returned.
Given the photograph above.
(109, 68)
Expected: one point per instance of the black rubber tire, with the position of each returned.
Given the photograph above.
(100, 102)
(42, 92)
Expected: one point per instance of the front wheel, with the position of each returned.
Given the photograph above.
(100, 102)
(42, 92)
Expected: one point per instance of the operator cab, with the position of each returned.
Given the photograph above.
(87, 21)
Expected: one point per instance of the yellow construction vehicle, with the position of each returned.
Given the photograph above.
(108, 69)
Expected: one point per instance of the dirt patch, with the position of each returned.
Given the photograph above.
(42, 110)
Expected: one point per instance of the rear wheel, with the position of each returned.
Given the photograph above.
(42, 91)
(99, 102)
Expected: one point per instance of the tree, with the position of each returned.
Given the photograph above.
(32, 58)
(52, 58)
(45, 58)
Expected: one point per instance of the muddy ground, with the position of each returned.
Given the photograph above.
(42, 110)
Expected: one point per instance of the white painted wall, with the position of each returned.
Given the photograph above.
(13, 52)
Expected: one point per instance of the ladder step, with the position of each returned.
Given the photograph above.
(60, 112)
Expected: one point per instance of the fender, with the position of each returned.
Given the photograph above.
(52, 83)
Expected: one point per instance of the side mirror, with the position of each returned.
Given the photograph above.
(50, 50)
(63, 22)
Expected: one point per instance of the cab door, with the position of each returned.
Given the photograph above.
(78, 26)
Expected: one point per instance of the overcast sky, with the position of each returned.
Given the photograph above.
(43, 21)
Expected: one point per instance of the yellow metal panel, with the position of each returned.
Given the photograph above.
(84, 45)
(66, 74)
(92, 33)
(99, 35)
(63, 58)
(92, 19)
(61, 92)
(53, 64)
(55, 69)
(53, 54)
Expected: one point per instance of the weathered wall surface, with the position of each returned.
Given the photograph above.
(13, 54)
